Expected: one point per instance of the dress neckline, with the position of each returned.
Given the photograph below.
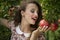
(18, 30)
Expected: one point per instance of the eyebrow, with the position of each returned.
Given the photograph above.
(34, 9)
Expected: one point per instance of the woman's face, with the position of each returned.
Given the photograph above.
(31, 13)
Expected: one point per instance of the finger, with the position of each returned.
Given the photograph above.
(43, 28)
(46, 27)
(40, 29)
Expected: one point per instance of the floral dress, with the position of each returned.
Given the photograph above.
(17, 34)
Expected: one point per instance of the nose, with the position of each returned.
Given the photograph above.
(36, 15)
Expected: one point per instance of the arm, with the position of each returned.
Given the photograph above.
(34, 36)
(38, 34)
(4, 22)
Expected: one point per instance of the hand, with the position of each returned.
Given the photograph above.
(37, 32)
(43, 29)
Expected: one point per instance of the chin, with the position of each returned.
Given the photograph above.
(32, 23)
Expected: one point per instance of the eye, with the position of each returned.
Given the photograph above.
(32, 11)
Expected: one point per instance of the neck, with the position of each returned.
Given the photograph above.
(25, 27)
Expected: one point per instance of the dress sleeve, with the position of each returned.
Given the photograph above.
(11, 25)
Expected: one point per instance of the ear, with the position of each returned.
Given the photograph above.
(22, 13)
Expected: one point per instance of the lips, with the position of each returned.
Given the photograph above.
(34, 19)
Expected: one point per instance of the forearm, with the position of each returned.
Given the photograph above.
(1, 21)
(4, 22)
(34, 35)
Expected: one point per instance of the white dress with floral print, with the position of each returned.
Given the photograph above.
(17, 34)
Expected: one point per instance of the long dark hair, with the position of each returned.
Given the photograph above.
(23, 4)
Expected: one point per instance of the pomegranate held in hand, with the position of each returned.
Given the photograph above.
(43, 23)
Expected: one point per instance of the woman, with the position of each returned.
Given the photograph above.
(27, 16)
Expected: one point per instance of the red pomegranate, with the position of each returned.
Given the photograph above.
(43, 23)
(54, 26)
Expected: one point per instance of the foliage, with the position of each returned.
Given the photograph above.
(50, 9)
(5, 33)
(5, 5)
(51, 12)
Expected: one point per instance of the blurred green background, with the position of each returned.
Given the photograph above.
(50, 10)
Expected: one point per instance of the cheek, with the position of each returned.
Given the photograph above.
(29, 14)
(32, 16)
